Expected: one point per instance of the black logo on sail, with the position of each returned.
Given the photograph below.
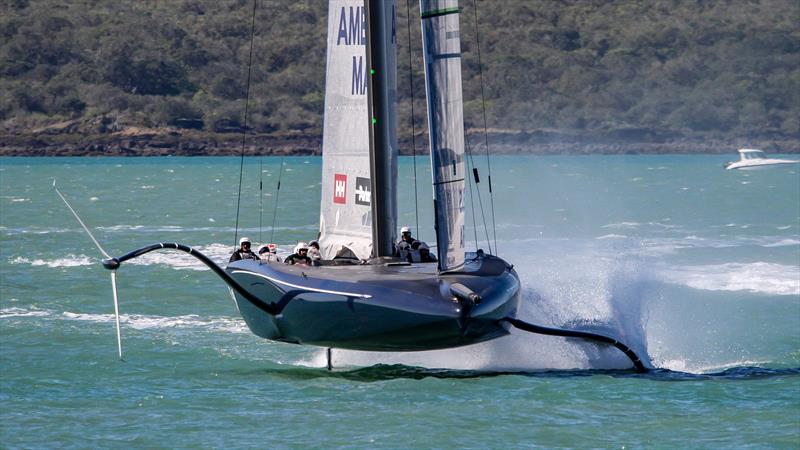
(363, 191)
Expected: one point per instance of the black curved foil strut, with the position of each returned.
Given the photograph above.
(531, 328)
(114, 263)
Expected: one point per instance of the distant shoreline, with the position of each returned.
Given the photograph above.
(143, 143)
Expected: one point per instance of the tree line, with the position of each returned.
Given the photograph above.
(689, 69)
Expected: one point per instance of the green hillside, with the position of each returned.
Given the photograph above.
(640, 71)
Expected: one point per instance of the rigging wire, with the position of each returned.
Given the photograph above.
(244, 124)
(260, 197)
(413, 117)
(480, 199)
(471, 194)
(275, 207)
(485, 132)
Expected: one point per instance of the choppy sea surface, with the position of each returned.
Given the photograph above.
(696, 267)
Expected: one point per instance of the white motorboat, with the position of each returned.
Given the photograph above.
(750, 158)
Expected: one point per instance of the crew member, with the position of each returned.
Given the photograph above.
(300, 255)
(243, 252)
(400, 249)
(269, 253)
(421, 252)
(314, 253)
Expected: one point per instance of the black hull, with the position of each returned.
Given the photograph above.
(377, 307)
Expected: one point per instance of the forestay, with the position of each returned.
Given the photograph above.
(442, 51)
(345, 209)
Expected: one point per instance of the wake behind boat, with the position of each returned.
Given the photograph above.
(750, 158)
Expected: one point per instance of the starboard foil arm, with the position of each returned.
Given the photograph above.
(114, 263)
(537, 329)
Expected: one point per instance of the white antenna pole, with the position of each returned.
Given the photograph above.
(116, 312)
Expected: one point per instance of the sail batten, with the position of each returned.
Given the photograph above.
(442, 53)
(439, 12)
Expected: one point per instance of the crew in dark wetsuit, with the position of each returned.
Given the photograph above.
(243, 252)
(300, 255)
(420, 252)
(402, 249)
(314, 253)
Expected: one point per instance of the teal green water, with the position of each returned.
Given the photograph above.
(692, 265)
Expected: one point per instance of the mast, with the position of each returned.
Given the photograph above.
(382, 99)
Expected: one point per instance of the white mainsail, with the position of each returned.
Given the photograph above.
(345, 209)
(442, 51)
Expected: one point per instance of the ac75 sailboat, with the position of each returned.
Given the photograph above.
(383, 304)
(362, 297)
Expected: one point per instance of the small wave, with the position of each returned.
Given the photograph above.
(636, 225)
(121, 227)
(760, 277)
(783, 243)
(671, 245)
(622, 225)
(142, 322)
(136, 321)
(662, 225)
(21, 312)
(16, 231)
(612, 236)
(69, 261)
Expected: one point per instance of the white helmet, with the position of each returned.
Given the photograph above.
(405, 230)
(243, 240)
(300, 246)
